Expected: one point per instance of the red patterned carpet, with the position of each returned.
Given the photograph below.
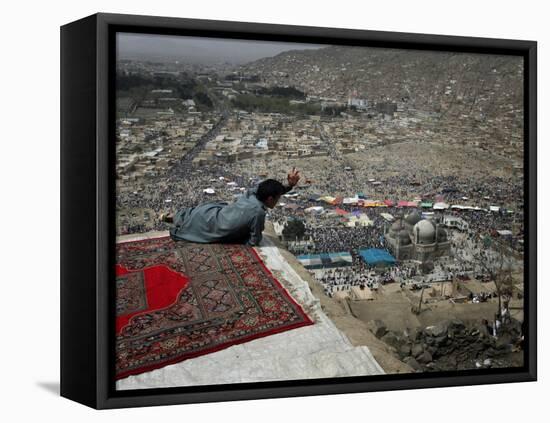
(178, 300)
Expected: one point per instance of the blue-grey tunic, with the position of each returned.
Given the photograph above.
(239, 222)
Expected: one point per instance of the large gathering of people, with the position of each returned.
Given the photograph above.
(326, 232)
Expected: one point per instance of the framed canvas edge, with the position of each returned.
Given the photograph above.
(78, 276)
(106, 397)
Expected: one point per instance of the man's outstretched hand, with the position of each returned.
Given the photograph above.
(293, 177)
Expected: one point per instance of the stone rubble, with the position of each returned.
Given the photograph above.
(451, 345)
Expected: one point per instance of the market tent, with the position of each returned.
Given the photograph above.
(341, 212)
(360, 220)
(389, 203)
(318, 261)
(327, 199)
(315, 209)
(505, 232)
(462, 207)
(440, 206)
(375, 256)
(387, 216)
(426, 204)
(351, 200)
(369, 203)
(406, 204)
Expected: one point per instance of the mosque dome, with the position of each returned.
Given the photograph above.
(413, 218)
(441, 234)
(424, 232)
(404, 237)
(396, 227)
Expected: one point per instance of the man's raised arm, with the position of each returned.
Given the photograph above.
(293, 177)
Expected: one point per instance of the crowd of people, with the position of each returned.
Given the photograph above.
(360, 274)
(482, 297)
(344, 278)
(328, 239)
(184, 186)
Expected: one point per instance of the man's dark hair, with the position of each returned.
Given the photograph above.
(269, 188)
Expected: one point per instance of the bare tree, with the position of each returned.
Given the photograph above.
(494, 260)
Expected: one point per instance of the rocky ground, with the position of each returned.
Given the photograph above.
(453, 345)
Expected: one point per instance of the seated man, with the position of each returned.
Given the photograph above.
(241, 222)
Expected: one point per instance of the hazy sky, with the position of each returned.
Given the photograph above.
(198, 49)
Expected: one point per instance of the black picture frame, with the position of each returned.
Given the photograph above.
(87, 209)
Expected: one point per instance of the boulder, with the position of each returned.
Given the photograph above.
(431, 366)
(504, 341)
(424, 358)
(474, 333)
(411, 334)
(432, 350)
(416, 350)
(451, 362)
(483, 331)
(404, 350)
(438, 330)
(392, 339)
(478, 346)
(457, 325)
(377, 327)
(440, 340)
(410, 361)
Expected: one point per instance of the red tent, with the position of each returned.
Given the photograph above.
(341, 212)
(337, 201)
(406, 204)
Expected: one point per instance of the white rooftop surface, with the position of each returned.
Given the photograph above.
(316, 351)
